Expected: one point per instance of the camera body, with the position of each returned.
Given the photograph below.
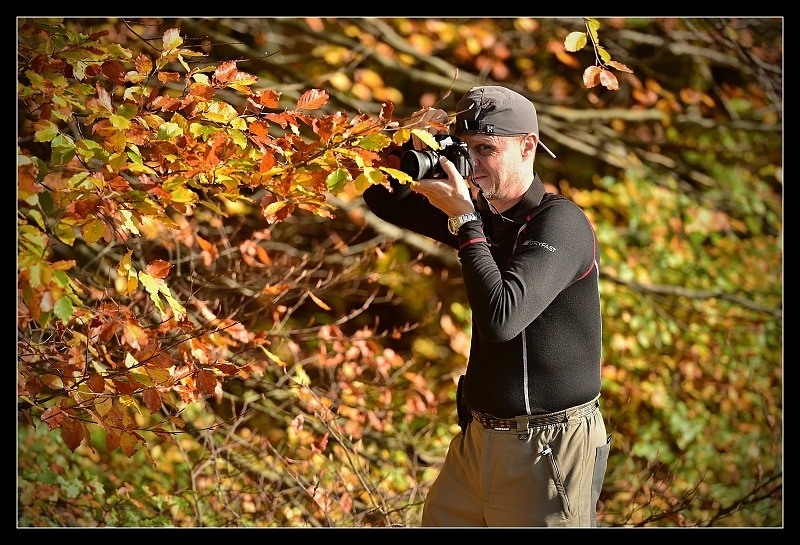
(425, 163)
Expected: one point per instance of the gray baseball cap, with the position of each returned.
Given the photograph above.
(497, 111)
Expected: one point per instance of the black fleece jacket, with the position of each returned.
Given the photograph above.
(532, 285)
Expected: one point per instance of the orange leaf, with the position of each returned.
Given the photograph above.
(167, 77)
(127, 443)
(591, 76)
(143, 64)
(268, 98)
(609, 80)
(312, 99)
(619, 66)
(177, 422)
(226, 72)
(158, 269)
(267, 162)
(262, 256)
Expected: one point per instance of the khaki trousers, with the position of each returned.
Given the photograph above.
(550, 476)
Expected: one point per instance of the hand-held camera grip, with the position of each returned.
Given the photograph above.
(425, 163)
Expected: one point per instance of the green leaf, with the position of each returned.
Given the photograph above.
(167, 131)
(46, 134)
(63, 150)
(336, 180)
(183, 195)
(63, 309)
(374, 142)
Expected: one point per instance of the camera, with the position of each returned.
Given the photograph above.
(425, 163)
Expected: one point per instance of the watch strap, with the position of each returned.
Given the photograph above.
(454, 223)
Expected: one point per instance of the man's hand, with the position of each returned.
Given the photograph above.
(451, 195)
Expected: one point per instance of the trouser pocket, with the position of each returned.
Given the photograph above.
(557, 479)
(599, 473)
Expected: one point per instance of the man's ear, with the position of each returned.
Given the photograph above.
(528, 145)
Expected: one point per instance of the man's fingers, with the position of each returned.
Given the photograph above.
(449, 168)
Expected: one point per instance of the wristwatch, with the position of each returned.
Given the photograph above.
(454, 223)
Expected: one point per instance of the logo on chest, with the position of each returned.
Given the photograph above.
(539, 244)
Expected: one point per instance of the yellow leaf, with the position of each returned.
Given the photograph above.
(318, 301)
(273, 357)
(593, 25)
(159, 376)
(92, 231)
(130, 361)
(575, 41)
(605, 56)
(172, 39)
(426, 137)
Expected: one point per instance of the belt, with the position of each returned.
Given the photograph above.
(523, 423)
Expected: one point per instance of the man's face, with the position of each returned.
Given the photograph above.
(503, 167)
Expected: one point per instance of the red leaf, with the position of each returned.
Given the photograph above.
(114, 71)
(152, 399)
(112, 440)
(319, 444)
(206, 382)
(161, 360)
(53, 417)
(387, 110)
(164, 435)
(96, 383)
(72, 432)
(123, 387)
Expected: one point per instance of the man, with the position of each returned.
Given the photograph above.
(533, 446)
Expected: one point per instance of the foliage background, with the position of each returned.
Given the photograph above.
(323, 346)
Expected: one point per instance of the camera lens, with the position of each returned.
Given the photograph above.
(419, 164)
